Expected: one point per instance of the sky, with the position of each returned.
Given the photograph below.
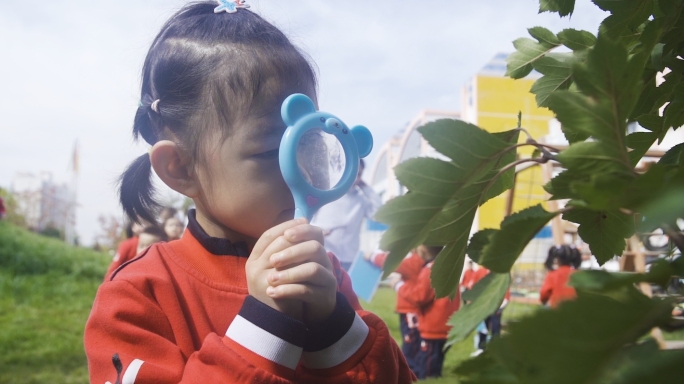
(70, 71)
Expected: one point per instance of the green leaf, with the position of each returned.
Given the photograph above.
(610, 85)
(506, 244)
(650, 93)
(645, 363)
(428, 176)
(674, 156)
(519, 63)
(674, 112)
(667, 208)
(626, 15)
(652, 122)
(559, 186)
(477, 243)
(640, 142)
(557, 75)
(602, 191)
(544, 35)
(563, 7)
(484, 369)
(577, 40)
(594, 157)
(601, 281)
(575, 342)
(443, 196)
(646, 187)
(604, 231)
(485, 298)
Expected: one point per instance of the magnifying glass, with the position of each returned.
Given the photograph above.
(319, 155)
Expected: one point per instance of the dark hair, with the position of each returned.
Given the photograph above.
(434, 249)
(203, 71)
(155, 230)
(167, 213)
(566, 255)
(128, 229)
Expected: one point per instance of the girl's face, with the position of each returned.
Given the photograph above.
(173, 228)
(242, 192)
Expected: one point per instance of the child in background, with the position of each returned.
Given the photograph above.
(247, 295)
(555, 288)
(433, 315)
(492, 324)
(127, 249)
(407, 271)
(173, 228)
(150, 235)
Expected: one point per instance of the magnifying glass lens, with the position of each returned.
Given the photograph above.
(320, 158)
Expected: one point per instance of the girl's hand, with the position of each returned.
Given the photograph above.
(303, 272)
(259, 266)
(289, 266)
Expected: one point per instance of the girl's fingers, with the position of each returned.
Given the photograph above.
(310, 274)
(272, 234)
(306, 293)
(304, 232)
(296, 254)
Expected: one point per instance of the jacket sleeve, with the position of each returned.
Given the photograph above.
(418, 292)
(128, 339)
(547, 288)
(410, 267)
(352, 346)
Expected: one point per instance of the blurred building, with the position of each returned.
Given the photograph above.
(44, 203)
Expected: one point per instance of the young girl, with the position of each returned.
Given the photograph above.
(555, 289)
(247, 294)
(173, 228)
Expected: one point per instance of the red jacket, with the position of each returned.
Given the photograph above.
(180, 313)
(434, 313)
(126, 251)
(408, 269)
(555, 288)
(467, 281)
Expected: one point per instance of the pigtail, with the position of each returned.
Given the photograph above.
(145, 120)
(136, 192)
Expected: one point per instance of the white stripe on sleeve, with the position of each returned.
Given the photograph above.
(263, 343)
(342, 350)
(132, 372)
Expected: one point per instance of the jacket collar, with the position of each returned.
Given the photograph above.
(215, 245)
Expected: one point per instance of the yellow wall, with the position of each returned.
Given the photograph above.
(498, 101)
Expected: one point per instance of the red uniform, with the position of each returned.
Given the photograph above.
(434, 313)
(181, 313)
(126, 251)
(408, 269)
(432, 323)
(555, 288)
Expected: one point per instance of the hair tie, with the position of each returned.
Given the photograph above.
(155, 106)
(230, 6)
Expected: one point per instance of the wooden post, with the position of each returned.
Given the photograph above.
(557, 228)
(640, 267)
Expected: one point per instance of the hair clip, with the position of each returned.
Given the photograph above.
(230, 6)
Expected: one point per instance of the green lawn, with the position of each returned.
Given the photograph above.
(46, 290)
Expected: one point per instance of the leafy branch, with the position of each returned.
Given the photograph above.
(631, 72)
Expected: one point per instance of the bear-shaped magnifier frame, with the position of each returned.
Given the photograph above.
(300, 115)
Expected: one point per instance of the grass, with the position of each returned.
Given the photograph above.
(46, 290)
